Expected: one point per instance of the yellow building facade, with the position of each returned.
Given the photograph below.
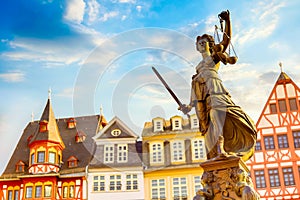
(172, 152)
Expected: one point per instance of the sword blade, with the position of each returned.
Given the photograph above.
(167, 87)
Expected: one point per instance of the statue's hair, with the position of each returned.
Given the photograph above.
(211, 41)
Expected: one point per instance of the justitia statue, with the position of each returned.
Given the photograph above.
(227, 129)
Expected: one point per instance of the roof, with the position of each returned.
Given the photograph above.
(126, 136)
(186, 126)
(82, 151)
(52, 134)
(283, 77)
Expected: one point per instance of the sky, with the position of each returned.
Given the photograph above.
(92, 54)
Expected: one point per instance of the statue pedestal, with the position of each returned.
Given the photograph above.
(226, 177)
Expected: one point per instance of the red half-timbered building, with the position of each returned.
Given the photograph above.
(275, 165)
(51, 158)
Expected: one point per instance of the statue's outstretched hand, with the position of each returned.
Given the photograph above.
(185, 108)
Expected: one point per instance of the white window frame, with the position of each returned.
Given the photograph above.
(198, 149)
(158, 185)
(131, 182)
(109, 153)
(197, 184)
(179, 188)
(194, 122)
(52, 157)
(100, 183)
(177, 151)
(158, 125)
(115, 182)
(176, 124)
(156, 153)
(122, 153)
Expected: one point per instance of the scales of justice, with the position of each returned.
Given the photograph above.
(230, 134)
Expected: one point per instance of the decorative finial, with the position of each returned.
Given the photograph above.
(101, 110)
(49, 93)
(280, 65)
(32, 116)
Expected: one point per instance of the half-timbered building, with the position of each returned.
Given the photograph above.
(275, 165)
(51, 158)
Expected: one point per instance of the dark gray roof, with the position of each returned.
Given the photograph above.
(82, 151)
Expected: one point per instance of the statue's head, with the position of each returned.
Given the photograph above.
(209, 38)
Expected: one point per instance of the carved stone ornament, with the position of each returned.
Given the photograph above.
(226, 178)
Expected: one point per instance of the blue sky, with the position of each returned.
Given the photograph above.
(92, 53)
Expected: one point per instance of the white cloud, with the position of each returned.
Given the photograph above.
(127, 1)
(93, 10)
(14, 76)
(109, 15)
(263, 20)
(67, 93)
(75, 10)
(139, 8)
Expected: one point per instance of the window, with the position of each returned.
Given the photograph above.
(274, 178)
(10, 195)
(156, 153)
(260, 178)
(41, 157)
(52, 157)
(16, 195)
(258, 146)
(273, 108)
(28, 192)
(71, 123)
(72, 162)
(296, 135)
(282, 105)
(115, 182)
(20, 166)
(288, 176)
(32, 159)
(158, 125)
(158, 189)
(293, 104)
(131, 182)
(98, 183)
(194, 122)
(122, 153)
(71, 191)
(179, 188)
(197, 183)
(116, 132)
(65, 192)
(269, 142)
(177, 150)
(38, 191)
(109, 153)
(176, 124)
(283, 141)
(198, 149)
(47, 191)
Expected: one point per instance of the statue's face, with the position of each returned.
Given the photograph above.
(202, 45)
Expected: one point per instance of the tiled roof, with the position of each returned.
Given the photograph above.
(82, 151)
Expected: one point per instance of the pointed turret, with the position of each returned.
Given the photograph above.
(48, 129)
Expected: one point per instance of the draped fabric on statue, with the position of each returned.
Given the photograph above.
(218, 115)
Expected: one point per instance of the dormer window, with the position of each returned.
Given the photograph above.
(43, 126)
(80, 136)
(176, 123)
(158, 125)
(20, 166)
(194, 122)
(71, 123)
(72, 162)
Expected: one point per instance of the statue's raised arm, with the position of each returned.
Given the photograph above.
(219, 50)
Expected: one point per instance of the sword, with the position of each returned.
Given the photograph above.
(168, 88)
